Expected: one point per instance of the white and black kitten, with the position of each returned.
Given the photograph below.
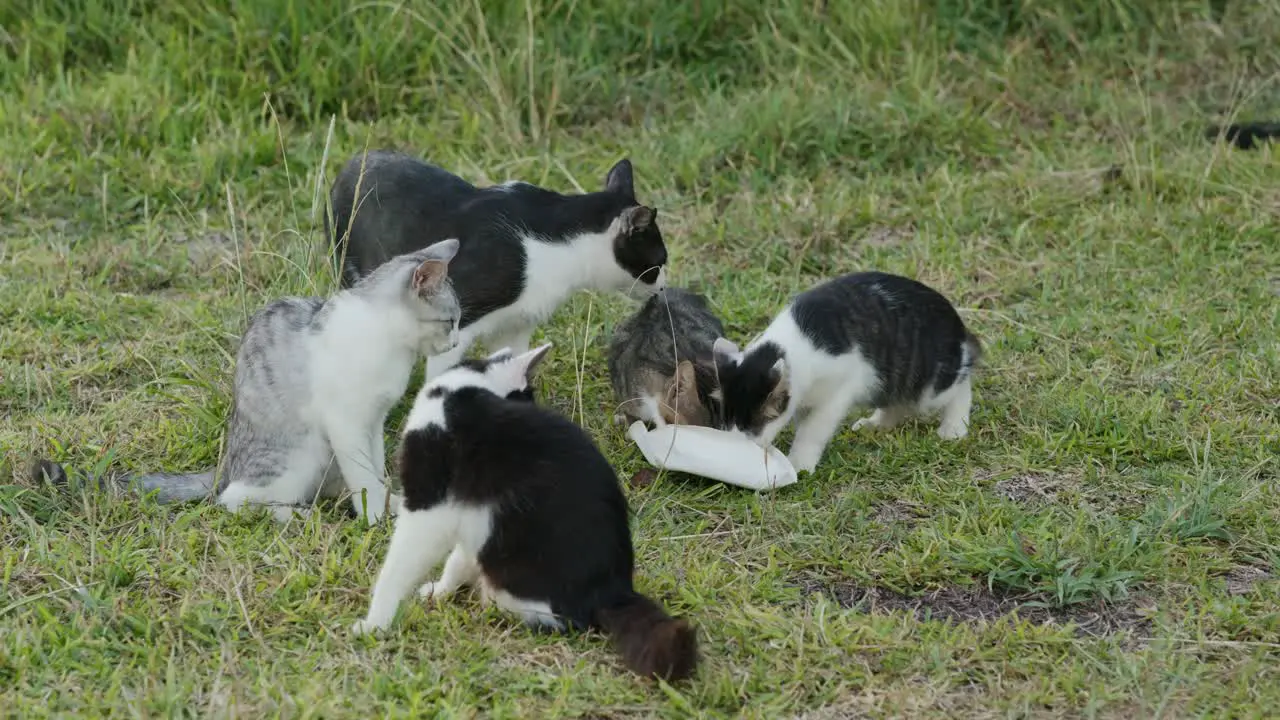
(524, 249)
(532, 512)
(867, 339)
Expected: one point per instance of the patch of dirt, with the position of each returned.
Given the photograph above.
(208, 248)
(977, 604)
(882, 236)
(900, 511)
(1029, 488)
(1243, 578)
(643, 477)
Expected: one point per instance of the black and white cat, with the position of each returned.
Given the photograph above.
(524, 249)
(868, 339)
(532, 512)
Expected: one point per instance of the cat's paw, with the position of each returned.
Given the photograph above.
(366, 627)
(374, 507)
(880, 419)
(804, 459)
(432, 591)
(952, 431)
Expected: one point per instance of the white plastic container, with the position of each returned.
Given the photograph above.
(715, 454)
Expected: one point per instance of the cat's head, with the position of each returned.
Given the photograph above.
(638, 247)
(689, 396)
(419, 281)
(504, 373)
(754, 389)
(432, 298)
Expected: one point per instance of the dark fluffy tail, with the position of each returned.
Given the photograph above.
(651, 642)
(168, 488)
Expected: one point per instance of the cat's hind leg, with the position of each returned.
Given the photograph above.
(536, 614)
(460, 569)
(885, 418)
(419, 541)
(284, 481)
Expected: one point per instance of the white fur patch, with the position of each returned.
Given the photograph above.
(553, 272)
(420, 541)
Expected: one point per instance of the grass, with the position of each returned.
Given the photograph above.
(1041, 163)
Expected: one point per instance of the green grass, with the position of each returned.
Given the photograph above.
(1041, 163)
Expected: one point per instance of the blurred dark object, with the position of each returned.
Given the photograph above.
(1246, 136)
(644, 477)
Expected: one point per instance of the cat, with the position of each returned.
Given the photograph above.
(1246, 136)
(525, 250)
(314, 382)
(527, 508)
(660, 361)
(867, 338)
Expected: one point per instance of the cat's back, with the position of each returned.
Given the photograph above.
(512, 444)
(272, 361)
(675, 313)
(280, 321)
(874, 308)
(387, 203)
(389, 176)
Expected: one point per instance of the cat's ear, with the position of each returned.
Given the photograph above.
(497, 356)
(434, 270)
(778, 373)
(530, 360)
(725, 351)
(516, 371)
(637, 217)
(620, 180)
(429, 277)
(686, 379)
(444, 251)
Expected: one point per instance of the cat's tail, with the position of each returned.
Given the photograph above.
(168, 488)
(651, 642)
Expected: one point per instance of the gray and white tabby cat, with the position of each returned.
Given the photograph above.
(661, 364)
(524, 249)
(868, 338)
(314, 382)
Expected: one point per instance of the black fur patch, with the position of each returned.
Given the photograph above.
(747, 385)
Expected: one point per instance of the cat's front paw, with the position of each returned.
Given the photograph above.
(804, 459)
(366, 627)
(431, 591)
(952, 431)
